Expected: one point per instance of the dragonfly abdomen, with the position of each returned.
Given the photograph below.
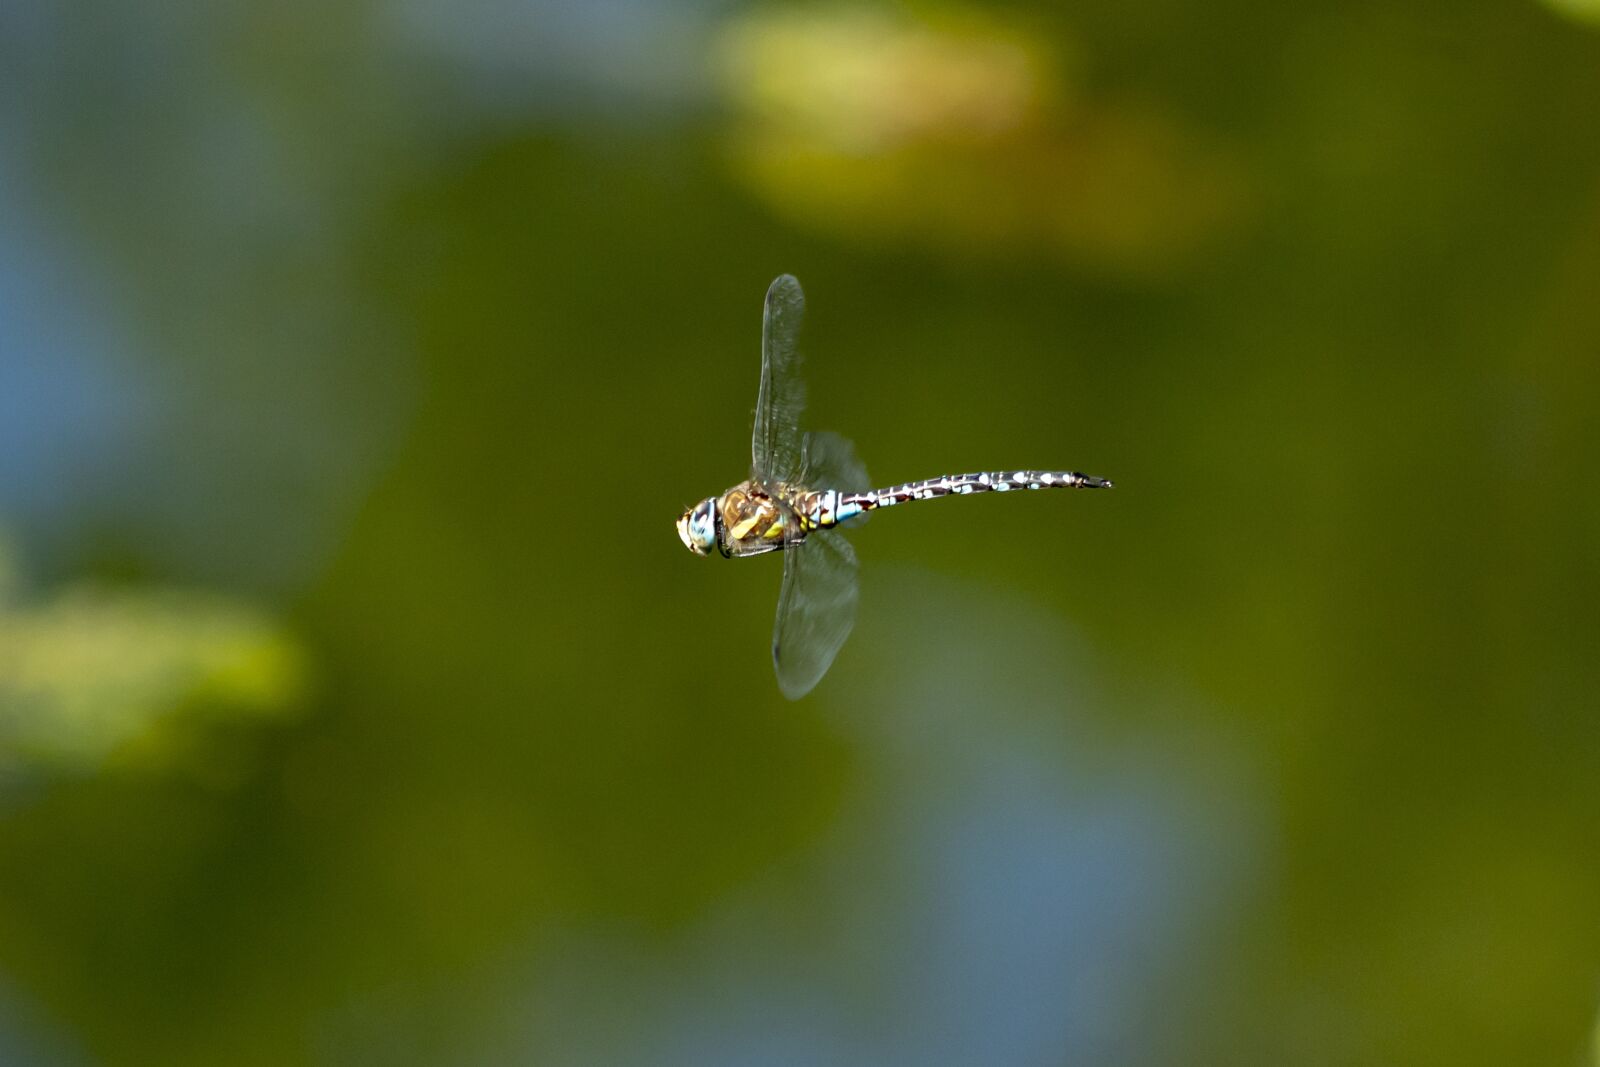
(852, 504)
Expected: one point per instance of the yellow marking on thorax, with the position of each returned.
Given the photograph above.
(767, 519)
(751, 517)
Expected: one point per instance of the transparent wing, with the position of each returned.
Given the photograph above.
(816, 610)
(775, 445)
(831, 463)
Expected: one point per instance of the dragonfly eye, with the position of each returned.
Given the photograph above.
(697, 527)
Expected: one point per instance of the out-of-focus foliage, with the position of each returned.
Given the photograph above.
(1582, 10)
(942, 125)
(94, 676)
(355, 360)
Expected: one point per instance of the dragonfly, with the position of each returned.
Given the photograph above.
(802, 488)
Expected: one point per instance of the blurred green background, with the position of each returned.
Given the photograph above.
(359, 705)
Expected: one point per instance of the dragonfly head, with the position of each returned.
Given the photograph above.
(697, 527)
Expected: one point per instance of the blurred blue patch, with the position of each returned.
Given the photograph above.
(71, 403)
(1002, 886)
(25, 1039)
(556, 60)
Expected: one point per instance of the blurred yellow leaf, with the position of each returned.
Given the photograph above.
(97, 675)
(1581, 10)
(946, 127)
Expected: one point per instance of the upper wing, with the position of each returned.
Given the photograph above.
(816, 610)
(775, 446)
(831, 463)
